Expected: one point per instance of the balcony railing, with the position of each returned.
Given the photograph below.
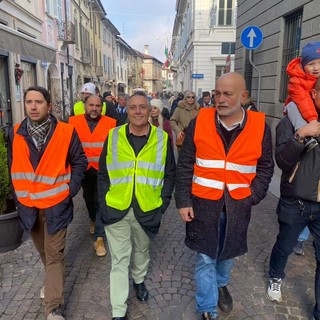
(66, 32)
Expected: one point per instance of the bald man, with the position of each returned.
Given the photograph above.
(224, 168)
(93, 128)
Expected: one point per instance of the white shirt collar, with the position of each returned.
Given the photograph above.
(233, 126)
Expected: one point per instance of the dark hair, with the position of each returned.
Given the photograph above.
(39, 89)
(106, 94)
(97, 90)
(206, 94)
(140, 94)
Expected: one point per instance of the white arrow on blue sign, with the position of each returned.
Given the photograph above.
(251, 37)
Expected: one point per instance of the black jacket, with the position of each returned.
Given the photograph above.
(289, 152)
(60, 215)
(202, 232)
(149, 221)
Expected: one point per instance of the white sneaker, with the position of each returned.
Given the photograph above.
(274, 290)
(55, 315)
(42, 293)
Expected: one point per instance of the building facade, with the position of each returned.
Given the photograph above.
(286, 26)
(60, 45)
(203, 40)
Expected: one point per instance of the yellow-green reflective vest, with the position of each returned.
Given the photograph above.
(78, 108)
(143, 173)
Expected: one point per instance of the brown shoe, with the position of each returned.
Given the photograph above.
(92, 227)
(99, 247)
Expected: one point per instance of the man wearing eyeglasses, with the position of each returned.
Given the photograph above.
(224, 167)
(135, 182)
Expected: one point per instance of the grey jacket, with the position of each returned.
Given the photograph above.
(202, 232)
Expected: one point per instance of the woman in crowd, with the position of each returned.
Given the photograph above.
(187, 109)
(158, 120)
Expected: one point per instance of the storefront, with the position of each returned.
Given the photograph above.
(20, 67)
(5, 105)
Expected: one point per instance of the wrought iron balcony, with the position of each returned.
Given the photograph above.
(66, 32)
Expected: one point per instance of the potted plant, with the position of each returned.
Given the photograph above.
(10, 231)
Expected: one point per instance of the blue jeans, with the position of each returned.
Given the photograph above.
(99, 228)
(211, 274)
(304, 235)
(293, 216)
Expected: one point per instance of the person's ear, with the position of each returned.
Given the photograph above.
(313, 93)
(245, 95)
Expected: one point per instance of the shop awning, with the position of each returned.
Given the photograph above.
(14, 41)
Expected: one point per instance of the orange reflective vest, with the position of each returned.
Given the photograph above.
(92, 142)
(49, 183)
(214, 169)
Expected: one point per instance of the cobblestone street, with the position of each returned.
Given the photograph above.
(170, 278)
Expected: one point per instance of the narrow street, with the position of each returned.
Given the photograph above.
(169, 280)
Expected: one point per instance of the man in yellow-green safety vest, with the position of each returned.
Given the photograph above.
(135, 182)
(87, 89)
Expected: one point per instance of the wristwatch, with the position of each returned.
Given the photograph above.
(297, 137)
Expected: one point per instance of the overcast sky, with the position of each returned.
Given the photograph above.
(142, 22)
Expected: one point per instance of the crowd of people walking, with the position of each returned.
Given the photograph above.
(121, 152)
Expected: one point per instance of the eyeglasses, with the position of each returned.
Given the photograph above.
(190, 97)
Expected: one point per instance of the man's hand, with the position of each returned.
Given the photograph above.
(186, 214)
(180, 135)
(312, 129)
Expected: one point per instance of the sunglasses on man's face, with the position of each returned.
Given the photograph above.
(190, 97)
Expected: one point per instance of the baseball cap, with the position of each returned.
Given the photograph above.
(88, 88)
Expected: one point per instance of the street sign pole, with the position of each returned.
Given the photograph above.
(251, 38)
(259, 79)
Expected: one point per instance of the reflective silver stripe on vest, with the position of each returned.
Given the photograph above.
(49, 193)
(151, 166)
(22, 176)
(21, 194)
(115, 139)
(219, 164)
(233, 186)
(92, 144)
(32, 177)
(160, 145)
(121, 165)
(93, 159)
(208, 183)
(241, 168)
(126, 179)
(150, 181)
(43, 194)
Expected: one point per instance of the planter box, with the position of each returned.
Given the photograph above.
(10, 231)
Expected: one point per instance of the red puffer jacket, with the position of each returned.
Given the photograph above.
(299, 88)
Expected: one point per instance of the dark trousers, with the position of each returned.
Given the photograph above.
(293, 216)
(90, 196)
(51, 250)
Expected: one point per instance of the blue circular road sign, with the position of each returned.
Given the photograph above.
(251, 37)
